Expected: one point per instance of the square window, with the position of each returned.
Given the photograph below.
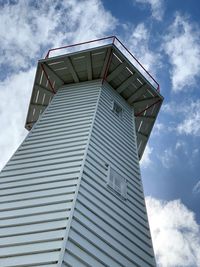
(117, 109)
(117, 182)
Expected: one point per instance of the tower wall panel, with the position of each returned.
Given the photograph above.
(56, 206)
(37, 186)
(107, 229)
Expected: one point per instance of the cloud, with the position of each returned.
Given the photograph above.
(157, 7)
(14, 94)
(146, 158)
(158, 128)
(139, 44)
(138, 41)
(28, 29)
(168, 158)
(35, 25)
(196, 188)
(191, 123)
(73, 21)
(86, 17)
(187, 115)
(172, 108)
(175, 233)
(169, 107)
(181, 146)
(181, 44)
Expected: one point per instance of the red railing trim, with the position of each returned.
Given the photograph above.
(82, 43)
(138, 62)
(47, 77)
(107, 66)
(114, 38)
(140, 113)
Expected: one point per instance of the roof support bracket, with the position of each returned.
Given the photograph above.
(141, 112)
(47, 77)
(89, 65)
(126, 83)
(115, 72)
(71, 69)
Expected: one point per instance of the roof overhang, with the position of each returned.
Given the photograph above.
(108, 63)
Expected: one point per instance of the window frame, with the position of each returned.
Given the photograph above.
(121, 190)
(115, 110)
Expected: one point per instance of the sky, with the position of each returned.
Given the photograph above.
(165, 36)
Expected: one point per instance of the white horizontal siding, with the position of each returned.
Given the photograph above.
(38, 185)
(107, 230)
(38, 188)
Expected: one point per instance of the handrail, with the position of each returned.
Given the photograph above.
(87, 42)
(158, 86)
(114, 39)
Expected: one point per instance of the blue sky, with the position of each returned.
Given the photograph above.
(165, 36)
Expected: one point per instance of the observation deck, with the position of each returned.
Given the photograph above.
(110, 61)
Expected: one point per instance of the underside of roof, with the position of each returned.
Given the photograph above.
(107, 63)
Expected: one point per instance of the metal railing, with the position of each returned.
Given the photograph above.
(114, 40)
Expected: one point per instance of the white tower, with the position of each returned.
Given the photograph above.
(72, 195)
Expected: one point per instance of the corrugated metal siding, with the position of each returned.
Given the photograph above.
(107, 230)
(38, 184)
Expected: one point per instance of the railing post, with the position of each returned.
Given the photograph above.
(114, 38)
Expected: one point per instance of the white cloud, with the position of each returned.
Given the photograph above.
(187, 115)
(181, 146)
(157, 7)
(137, 40)
(86, 19)
(175, 233)
(196, 188)
(181, 45)
(191, 123)
(169, 107)
(139, 44)
(29, 28)
(172, 108)
(168, 158)
(14, 94)
(146, 158)
(158, 128)
(36, 25)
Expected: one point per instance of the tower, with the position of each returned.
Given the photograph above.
(72, 195)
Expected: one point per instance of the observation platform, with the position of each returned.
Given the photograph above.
(109, 61)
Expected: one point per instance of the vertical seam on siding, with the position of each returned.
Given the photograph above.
(60, 260)
(135, 135)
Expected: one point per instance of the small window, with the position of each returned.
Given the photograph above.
(117, 109)
(117, 182)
